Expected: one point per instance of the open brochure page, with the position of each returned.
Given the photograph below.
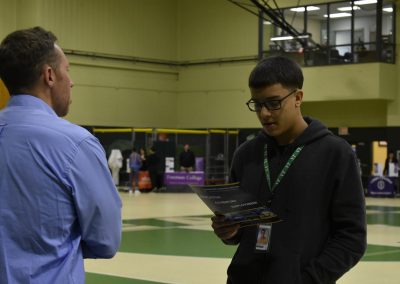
(235, 204)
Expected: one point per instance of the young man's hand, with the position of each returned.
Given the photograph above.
(224, 229)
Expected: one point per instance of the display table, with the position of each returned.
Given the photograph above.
(381, 186)
(179, 181)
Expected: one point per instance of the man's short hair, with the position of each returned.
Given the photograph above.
(276, 70)
(22, 56)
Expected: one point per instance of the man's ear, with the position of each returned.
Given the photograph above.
(299, 97)
(48, 75)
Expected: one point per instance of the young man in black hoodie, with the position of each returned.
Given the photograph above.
(309, 178)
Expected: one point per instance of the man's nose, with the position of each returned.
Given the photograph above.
(264, 111)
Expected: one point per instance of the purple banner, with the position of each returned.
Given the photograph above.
(199, 164)
(178, 178)
(381, 186)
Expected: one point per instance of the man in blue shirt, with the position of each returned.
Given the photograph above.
(58, 203)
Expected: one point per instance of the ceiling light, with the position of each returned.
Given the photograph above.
(281, 38)
(338, 15)
(288, 37)
(344, 9)
(388, 9)
(267, 23)
(365, 2)
(302, 9)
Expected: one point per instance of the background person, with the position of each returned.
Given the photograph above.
(115, 162)
(153, 166)
(186, 159)
(135, 163)
(143, 158)
(308, 177)
(391, 159)
(58, 202)
(393, 173)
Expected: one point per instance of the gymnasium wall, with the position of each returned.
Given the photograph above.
(342, 95)
(112, 92)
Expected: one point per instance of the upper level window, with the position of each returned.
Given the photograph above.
(335, 33)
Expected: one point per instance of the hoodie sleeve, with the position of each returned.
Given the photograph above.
(347, 243)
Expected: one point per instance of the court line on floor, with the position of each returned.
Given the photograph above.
(382, 252)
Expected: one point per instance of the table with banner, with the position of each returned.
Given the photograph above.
(382, 186)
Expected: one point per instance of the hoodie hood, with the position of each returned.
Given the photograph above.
(315, 130)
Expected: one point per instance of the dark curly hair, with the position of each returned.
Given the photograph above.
(22, 56)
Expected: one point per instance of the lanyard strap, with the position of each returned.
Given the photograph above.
(283, 171)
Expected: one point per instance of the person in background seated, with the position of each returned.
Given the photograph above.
(58, 202)
(186, 159)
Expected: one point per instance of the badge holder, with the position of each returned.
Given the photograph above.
(263, 237)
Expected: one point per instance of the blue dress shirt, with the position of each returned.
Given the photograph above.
(58, 203)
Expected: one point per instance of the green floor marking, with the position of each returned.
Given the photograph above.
(151, 222)
(160, 222)
(391, 219)
(171, 238)
(93, 278)
(382, 253)
(180, 242)
(383, 208)
(386, 215)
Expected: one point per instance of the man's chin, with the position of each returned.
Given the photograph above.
(62, 113)
(269, 131)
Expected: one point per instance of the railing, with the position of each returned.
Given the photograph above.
(340, 54)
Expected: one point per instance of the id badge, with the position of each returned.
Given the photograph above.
(263, 237)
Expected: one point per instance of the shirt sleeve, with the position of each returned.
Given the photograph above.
(97, 202)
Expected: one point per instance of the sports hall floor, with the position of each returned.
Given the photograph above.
(167, 238)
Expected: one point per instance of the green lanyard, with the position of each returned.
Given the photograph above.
(284, 170)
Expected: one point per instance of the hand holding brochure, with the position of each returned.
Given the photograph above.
(235, 204)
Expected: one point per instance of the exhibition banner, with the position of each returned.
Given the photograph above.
(183, 178)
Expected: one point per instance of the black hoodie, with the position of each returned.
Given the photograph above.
(321, 203)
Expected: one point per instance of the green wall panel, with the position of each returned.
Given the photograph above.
(215, 29)
(115, 93)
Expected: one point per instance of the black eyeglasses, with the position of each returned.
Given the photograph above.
(269, 104)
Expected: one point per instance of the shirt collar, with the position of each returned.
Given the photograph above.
(29, 101)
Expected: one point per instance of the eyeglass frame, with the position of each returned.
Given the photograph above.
(263, 104)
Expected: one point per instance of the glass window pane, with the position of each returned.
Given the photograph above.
(295, 18)
(282, 40)
(317, 24)
(340, 29)
(365, 32)
(388, 47)
(333, 39)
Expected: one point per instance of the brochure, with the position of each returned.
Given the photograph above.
(235, 204)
